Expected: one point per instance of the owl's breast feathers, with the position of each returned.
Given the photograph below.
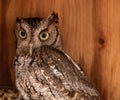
(52, 75)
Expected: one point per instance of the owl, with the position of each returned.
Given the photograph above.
(43, 70)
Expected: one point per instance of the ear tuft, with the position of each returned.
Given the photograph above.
(53, 17)
(19, 19)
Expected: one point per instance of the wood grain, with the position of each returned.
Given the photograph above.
(90, 32)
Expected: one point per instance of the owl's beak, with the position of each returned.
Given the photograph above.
(31, 49)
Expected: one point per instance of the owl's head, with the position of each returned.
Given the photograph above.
(32, 33)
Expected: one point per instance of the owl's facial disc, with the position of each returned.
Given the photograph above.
(33, 33)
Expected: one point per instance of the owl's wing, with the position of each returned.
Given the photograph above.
(67, 75)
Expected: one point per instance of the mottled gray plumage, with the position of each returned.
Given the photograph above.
(43, 70)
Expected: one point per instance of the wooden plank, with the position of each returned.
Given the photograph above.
(4, 66)
(106, 32)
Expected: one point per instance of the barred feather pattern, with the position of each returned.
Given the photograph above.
(50, 74)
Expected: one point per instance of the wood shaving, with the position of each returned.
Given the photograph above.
(10, 94)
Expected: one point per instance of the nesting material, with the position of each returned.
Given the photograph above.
(10, 94)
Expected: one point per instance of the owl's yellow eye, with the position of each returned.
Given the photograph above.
(44, 36)
(22, 34)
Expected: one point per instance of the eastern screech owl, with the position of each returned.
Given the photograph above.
(43, 71)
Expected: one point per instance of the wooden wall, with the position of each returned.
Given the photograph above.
(91, 35)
